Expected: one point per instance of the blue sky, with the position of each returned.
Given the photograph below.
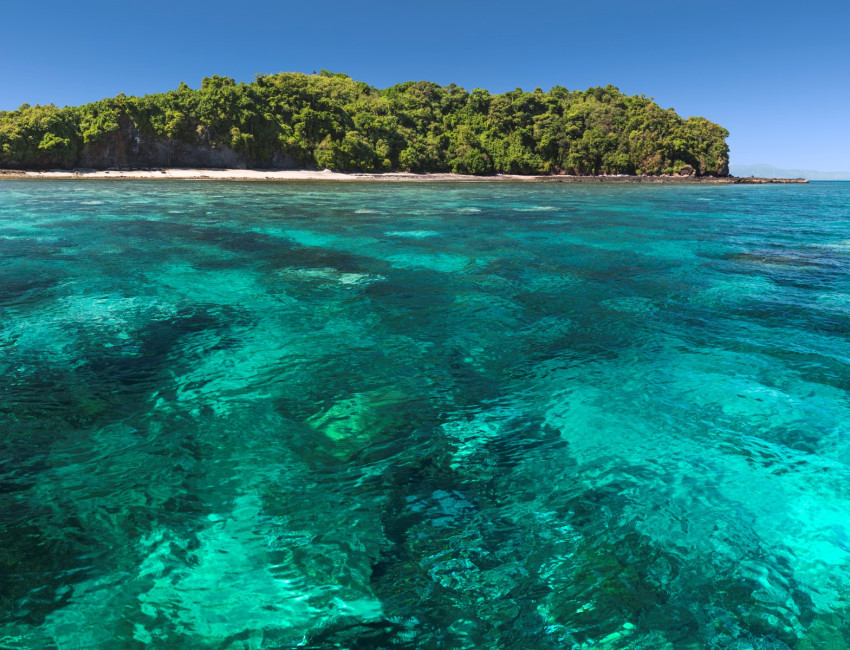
(774, 73)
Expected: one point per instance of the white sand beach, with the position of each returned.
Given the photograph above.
(249, 175)
(327, 175)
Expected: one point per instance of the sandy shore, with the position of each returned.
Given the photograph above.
(326, 175)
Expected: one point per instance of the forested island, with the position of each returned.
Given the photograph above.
(330, 121)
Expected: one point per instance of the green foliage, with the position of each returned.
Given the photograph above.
(39, 135)
(329, 120)
(100, 119)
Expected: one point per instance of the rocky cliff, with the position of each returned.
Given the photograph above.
(127, 147)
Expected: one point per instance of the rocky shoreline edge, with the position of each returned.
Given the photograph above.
(326, 175)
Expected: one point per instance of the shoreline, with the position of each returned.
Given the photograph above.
(327, 175)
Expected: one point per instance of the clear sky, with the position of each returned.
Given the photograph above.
(776, 74)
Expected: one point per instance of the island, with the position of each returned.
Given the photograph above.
(294, 121)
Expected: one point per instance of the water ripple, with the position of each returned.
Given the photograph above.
(250, 415)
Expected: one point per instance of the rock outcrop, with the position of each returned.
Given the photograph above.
(130, 148)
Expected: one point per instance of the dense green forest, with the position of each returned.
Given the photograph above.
(330, 121)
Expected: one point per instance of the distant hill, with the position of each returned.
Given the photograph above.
(328, 120)
(769, 171)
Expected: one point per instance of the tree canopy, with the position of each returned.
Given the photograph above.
(330, 121)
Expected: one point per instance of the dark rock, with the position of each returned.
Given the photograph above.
(130, 148)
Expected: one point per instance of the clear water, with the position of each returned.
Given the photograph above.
(424, 416)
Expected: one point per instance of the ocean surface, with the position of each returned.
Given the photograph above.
(249, 415)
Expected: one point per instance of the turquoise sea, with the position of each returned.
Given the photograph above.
(250, 415)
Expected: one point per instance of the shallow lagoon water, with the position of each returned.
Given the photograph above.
(246, 415)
